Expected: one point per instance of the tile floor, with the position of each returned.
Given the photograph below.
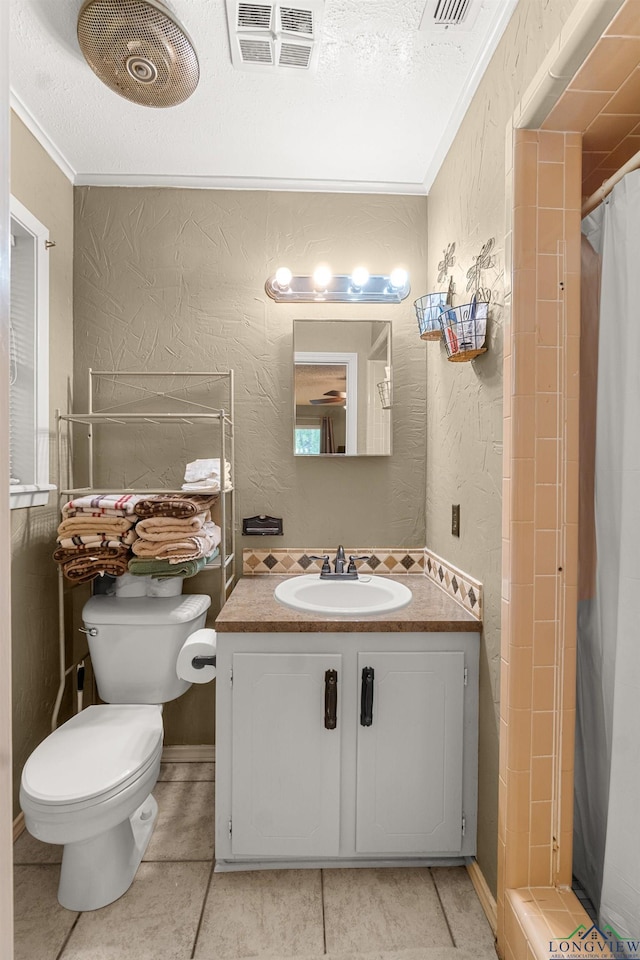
(178, 908)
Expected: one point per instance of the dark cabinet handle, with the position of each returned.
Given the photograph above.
(366, 697)
(331, 699)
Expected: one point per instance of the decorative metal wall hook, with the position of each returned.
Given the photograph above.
(48, 244)
(484, 261)
(451, 291)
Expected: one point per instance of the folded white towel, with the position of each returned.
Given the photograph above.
(210, 485)
(206, 470)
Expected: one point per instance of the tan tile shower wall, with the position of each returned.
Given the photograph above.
(540, 521)
(603, 100)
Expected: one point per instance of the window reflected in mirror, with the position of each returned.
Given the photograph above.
(342, 388)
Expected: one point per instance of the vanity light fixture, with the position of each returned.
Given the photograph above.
(283, 277)
(324, 287)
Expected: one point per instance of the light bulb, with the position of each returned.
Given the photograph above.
(283, 277)
(398, 278)
(321, 277)
(359, 277)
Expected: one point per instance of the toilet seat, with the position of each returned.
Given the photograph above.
(94, 755)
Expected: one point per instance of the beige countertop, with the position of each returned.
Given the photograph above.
(252, 608)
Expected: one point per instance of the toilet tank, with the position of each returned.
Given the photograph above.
(134, 644)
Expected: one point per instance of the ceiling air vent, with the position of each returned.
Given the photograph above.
(296, 20)
(295, 55)
(255, 51)
(268, 36)
(449, 14)
(254, 16)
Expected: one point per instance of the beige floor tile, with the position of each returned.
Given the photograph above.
(187, 771)
(27, 849)
(156, 919)
(185, 826)
(467, 921)
(368, 910)
(41, 924)
(274, 913)
(422, 953)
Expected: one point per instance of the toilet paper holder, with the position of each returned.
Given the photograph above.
(200, 662)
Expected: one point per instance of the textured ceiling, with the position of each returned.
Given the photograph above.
(378, 114)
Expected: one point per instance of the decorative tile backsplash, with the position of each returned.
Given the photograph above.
(293, 560)
(459, 585)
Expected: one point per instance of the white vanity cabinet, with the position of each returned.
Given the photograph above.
(345, 747)
(409, 753)
(285, 759)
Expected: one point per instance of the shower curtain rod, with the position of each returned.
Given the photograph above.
(596, 198)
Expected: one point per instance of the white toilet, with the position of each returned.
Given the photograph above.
(88, 785)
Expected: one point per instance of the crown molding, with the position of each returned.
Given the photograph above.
(248, 183)
(43, 139)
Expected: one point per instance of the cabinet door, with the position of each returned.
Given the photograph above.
(286, 755)
(409, 768)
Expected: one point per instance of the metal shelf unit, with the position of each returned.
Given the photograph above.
(187, 412)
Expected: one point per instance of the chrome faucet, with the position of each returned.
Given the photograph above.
(351, 573)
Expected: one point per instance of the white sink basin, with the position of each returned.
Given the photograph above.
(348, 598)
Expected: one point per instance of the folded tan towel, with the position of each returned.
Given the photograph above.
(175, 551)
(100, 538)
(93, 525)
(173, 505)
(102, 504)
(172, 528)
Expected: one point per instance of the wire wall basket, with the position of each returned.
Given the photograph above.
(464, 330)
(428, 310)
(384, 389)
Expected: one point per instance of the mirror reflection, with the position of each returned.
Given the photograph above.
(342, 388)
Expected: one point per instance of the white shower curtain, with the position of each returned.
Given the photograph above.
(607, 822)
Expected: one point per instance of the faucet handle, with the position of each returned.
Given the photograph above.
(352, 563)
(325, 562)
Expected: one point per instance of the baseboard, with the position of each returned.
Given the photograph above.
(189, 753)
(18, 826)
(486, 898)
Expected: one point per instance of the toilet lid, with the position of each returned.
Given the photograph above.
(94, 753)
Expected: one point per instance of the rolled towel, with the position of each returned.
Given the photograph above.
(173, 505)
(102, 504)
(191, 548)
(162, 568)
(93, 525)
(172, 528)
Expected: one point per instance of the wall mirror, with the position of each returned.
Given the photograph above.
(342, 388)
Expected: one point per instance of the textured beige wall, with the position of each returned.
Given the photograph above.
(38, 183)
(464, 409)
(169, 279)
(6, 885)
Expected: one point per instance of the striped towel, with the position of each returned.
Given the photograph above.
(97, 539)
(102, 505)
